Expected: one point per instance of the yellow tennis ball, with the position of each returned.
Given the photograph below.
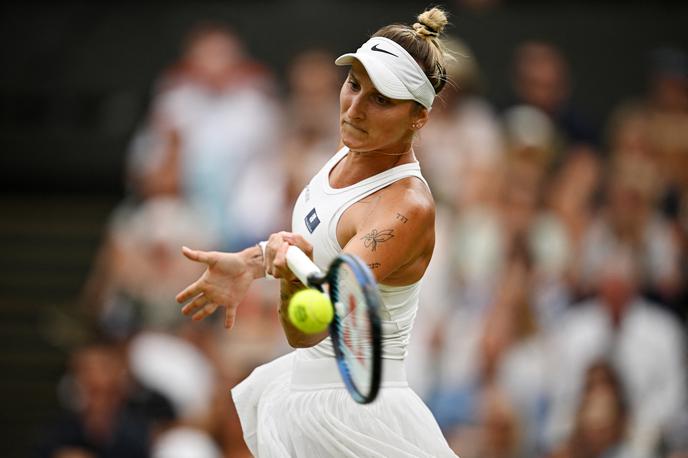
(310, 311)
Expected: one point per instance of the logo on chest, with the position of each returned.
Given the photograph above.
(312, 221)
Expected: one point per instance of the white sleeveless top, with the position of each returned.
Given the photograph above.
(303, 391)
(316, 214)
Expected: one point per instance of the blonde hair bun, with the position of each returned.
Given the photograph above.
(431, 23)
(422, 41)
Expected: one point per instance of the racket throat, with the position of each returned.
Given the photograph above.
(316, 280)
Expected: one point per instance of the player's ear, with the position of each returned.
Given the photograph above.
(419, 117)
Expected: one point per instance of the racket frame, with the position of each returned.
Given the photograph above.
(369, 289)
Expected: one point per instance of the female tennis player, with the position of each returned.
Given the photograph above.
(370, 200)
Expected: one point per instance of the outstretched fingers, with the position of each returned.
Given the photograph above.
(200, 301)
(201, 307)
(193, 290)
(230, 316)
(207, 310)
(206, 257)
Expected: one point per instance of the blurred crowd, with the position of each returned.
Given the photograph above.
(553, 317)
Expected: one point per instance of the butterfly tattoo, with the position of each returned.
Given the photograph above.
(374, 237)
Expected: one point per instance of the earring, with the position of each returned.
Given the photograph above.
(414, 125)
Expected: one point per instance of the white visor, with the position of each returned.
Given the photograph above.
(392, 70)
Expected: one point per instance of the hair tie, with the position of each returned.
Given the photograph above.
(428, 30)
(431, 29)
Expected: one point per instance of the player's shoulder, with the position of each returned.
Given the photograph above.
(412, 195)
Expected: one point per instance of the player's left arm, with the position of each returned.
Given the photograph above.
(395, 235)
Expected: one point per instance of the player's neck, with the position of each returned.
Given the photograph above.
(357, 166)
(385, 157)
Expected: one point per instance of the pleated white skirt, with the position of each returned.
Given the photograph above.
(295, 406)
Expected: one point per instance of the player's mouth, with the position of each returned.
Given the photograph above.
(353, 126)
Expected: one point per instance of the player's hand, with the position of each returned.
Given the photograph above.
(223, 284)
(276, 253)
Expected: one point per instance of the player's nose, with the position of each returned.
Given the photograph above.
(356, 109)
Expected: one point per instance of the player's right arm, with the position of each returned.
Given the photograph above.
(276, 265)
(392, 231)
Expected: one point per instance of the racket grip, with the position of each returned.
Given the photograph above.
(300, 264)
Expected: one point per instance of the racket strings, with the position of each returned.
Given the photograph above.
(354, 328)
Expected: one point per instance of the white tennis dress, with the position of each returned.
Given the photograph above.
(297, 405)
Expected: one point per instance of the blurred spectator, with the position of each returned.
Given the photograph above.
(530, 135)
(655, 127)
(222, 424)
(106, 415)
(470, 251)
(256, 339)
(601, 418)
(668, 114)
(515, 347)
(629, 218)
(675, 440)
(187, 379)
(496, 433)
(631, 142)
(520, 199)
(213, 134)
(541, 79)
(311, 129)
(630, 133)
(668, 122)
(460, 150)
(652, 133)
(558, 230)
(462, 137)
(139, 269)
(493, 405)
(645, 343)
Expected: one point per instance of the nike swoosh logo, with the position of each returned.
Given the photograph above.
(375, 48)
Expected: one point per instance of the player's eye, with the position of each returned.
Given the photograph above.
(354, 85)
(381, 100)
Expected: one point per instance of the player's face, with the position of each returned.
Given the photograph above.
(370, 121)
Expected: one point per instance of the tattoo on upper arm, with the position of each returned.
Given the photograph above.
(374, 237)
(374, 265)
(402, 218)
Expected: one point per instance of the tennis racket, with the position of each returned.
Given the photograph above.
(355, 328)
